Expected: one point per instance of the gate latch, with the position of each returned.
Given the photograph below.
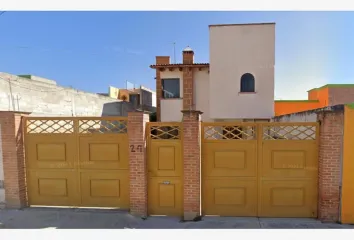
(166, 182)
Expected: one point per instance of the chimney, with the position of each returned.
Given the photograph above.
(162, 60)
(188, 56)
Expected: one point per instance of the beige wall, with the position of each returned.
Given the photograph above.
(171, 110)
(154, 99)
(235, 50)
(113, 92)
(201, 93)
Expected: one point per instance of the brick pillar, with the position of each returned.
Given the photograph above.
(12, 139)
(188, 89)
(137, 163)
(191, 163)
(329, 167)
(158, 95)
(159, 60)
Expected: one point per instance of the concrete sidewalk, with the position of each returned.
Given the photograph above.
(40, 218)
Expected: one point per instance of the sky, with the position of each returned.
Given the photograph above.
(91, 51)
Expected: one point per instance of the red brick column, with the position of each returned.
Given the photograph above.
(12, 138)
(158, 95)
(159, 60)
(191, 157)
(137, 163)
(188, 89)
(329, 167)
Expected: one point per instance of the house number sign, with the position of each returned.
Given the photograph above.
(136, 148)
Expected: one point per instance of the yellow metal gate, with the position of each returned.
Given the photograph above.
(165, 169)
(77, 161)
(259, 169)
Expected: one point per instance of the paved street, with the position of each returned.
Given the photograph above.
(38, 218)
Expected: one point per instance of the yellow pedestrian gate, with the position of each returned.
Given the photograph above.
(165, 168)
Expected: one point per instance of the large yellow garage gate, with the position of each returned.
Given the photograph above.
(260, 169)
(77, 161)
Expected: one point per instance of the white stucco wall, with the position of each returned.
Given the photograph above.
(234, 51)
(201, 93)
(154, 99)
(171, 108)
(43, 97)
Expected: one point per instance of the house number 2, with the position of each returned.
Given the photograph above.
(136, 148)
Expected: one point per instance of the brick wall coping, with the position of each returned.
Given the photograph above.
(336, 108)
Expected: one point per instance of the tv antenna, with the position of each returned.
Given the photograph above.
(174, 52)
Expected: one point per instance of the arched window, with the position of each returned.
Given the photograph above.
(247, 83)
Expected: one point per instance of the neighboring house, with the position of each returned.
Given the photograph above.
(141, 97)
(237, 84)
(43, 97)
(327, 95)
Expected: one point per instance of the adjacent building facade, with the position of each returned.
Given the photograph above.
(327, 95)
(44, 97)
(238, 78)
(141, 97)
